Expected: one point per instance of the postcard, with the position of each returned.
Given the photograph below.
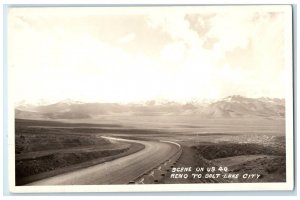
(150, 98)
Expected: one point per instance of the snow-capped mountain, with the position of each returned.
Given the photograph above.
(30, 105)
(238, 106)
(229, 107)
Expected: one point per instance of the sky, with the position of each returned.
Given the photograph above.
(139, 54)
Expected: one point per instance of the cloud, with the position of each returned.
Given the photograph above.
(175, 54)
(238, 46)
(127, 38)
(175, 25)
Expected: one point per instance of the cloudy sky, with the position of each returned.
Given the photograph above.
(138, 54)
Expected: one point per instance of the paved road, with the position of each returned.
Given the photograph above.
(119, 171)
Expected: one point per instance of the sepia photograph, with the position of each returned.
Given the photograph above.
(157, 98)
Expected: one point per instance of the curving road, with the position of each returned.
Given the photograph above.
(119, 171)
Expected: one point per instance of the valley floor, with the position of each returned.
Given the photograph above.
(47, 148)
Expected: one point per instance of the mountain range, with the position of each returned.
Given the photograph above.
(230, 107)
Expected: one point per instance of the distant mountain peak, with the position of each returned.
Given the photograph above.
(69, 101)
(234, 98)
(38, 102)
